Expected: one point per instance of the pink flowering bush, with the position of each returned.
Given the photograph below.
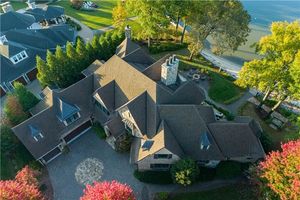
(278, 176)
(108, 191)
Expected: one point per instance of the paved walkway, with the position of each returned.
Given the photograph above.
(116, 167)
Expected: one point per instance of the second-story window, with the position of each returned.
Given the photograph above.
(162, 156)
(19, 57)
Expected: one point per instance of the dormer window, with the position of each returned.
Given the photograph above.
(68, 113)
(204, 142)
(36, 134)
(19, 57)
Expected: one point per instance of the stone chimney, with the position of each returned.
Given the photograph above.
(169, 70)
(31, 4)
(6, 7)
(128, 32)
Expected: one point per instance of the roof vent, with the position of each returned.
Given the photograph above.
(147, 145)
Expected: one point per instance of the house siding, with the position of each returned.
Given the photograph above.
(145, 163)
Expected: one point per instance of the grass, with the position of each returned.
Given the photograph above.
(232, 192)
(222, 87)
(11, 164)
(95, 19)
(289, 132)
(18, 5)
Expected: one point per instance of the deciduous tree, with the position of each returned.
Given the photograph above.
(13, 110)
(278, 175)
(108, 190)
(278, 70)
(226, 22)
(119, 15)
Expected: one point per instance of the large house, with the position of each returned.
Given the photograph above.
(22, 38)
(151, 100)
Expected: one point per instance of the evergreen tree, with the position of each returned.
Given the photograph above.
(44, 72)
(83, 56)
(25, 97)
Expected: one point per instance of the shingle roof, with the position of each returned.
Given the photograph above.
(106, 95)
(48, 12)
(65, 110)
(79, 94)
(188, 127)
(236, 140)
(30, 40)
(116, 126)
(126, 47)
(15, 20)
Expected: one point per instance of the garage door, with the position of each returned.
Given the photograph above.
(32, 74)
(77, 132)
(21, 80)
(2, 92)
(51, 155)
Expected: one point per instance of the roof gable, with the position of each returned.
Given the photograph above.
(66, 110)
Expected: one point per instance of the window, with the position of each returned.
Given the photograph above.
(159, 166)
(19, 57)
(162, 156)
(101, 107)
(71, 119)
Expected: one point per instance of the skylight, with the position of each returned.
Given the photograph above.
(147, 145)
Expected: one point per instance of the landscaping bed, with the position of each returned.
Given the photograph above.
(154, 177)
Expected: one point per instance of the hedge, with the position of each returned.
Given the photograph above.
(154, 177)
(169, 46)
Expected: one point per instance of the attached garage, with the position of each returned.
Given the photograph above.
(51, 155)
(77, 132)
(32, 74)
(21, 79)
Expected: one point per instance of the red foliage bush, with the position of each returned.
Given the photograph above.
(108, 191)
(28, 176)
(280, 171)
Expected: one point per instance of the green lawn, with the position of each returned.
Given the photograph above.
(222, 88)
(289, 132)
(16, 5)
(234, 192)
(99, 18)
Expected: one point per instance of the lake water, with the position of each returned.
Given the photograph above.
(262, 13)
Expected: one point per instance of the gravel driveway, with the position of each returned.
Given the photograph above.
(115, 167)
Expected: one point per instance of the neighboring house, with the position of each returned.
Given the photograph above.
(21, 40)
(150, 100)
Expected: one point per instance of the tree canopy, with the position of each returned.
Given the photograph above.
(108, 190)
(26, 98)
(119, 15)
(278, 69)
(278, 175)
(226, 22)
(185, 172)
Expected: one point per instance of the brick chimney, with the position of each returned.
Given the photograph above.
(128, 32)
(169, 70)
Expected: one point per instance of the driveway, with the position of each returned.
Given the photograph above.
(115, 167)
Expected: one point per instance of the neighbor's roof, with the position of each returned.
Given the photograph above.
(79, 94)
(14, 20)
(30, 41)
(48, 12)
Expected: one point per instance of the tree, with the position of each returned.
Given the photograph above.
(108, 190)
(151, 15)
(13, 110)
(83, 56)
(8, 140)
(185, 172)
(25, 186)
(25, 97)
(225, 21)
(119, 15)
(44, 74)
(28, 176)
(77, 4)
(278, 175)
(277, 71)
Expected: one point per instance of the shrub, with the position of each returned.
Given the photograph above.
(123, 143)
(108, 190)
(161, 196)
(266, 142)
(99, 130)
(13, 110)
(8, 140)
(154, 177)
(185, 172)
(76, 4)
(25, 97)
(73, 24)
(167, 46)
